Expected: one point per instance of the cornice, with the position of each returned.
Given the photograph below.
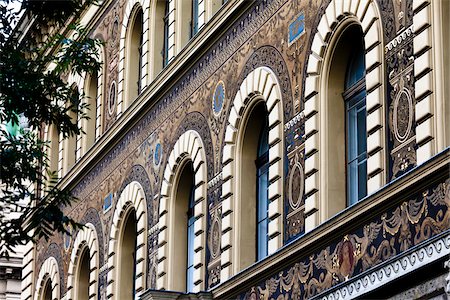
(164, 81)
(399, 189)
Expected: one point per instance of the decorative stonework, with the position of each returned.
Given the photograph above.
(401, 114)
(386, 273)
(423, 217)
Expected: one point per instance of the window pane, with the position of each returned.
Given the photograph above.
(352, 134)
(362, 180)
(362, 135)
(352, 182)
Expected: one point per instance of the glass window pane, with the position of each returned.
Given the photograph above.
(362, 180)
(352, 182)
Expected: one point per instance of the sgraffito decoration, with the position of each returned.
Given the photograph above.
(218, 98)
(401, 103)
(214, 231)
(425, 215)
(294, 202)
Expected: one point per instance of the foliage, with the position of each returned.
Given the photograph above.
(31, 202)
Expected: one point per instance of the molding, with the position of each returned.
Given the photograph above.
(390, 271)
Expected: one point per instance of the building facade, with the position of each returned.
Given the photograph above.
(267, 149)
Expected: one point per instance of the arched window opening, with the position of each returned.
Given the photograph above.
(91, 111)
(183, 231)
(47, 291)
(355, 105)
(53, 149)
(82, 281)
(127, 258)
(161, 37)
(188, 21)
(134, 58)
(262, 173)
(70, 147)
(346, 122)
(253, 179)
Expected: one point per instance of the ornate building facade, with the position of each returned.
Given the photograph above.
(264, 149)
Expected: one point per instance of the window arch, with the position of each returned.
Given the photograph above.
(53, 149)
(182, 210)
(47, 285)
(133, 57)
(252, 174)
(71, 145)
(355, 116)
(163, 16)
(188, 21)
(47, 290)
(84, 265)
(126, 278)
(89, 124)
(325, 125)
(82, 276)
(128, 240)
(255, 116)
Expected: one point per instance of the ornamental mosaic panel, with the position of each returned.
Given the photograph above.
(401, 105)
(419, 218)
(294, 202)
(213, 237)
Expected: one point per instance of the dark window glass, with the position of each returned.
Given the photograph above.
(262, 173)
(355, 98)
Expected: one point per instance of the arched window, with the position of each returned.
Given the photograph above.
(190, 239)
(47, 291)
(127, 258)
(160, 36)
(187, 21)
(53, 156)
(183, 220)
(70, 145)
(262, 173)
(346, 134)
(253, 179)
(355, 107)
(82, 276)
(89, 125)
(133, 70)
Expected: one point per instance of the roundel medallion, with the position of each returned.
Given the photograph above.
(218, 98)
(402, 115)
(215, 238)
(112, 98)
(296, 185)
(157, 154)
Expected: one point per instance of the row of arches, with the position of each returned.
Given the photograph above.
(63, 153)
(153, 33)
